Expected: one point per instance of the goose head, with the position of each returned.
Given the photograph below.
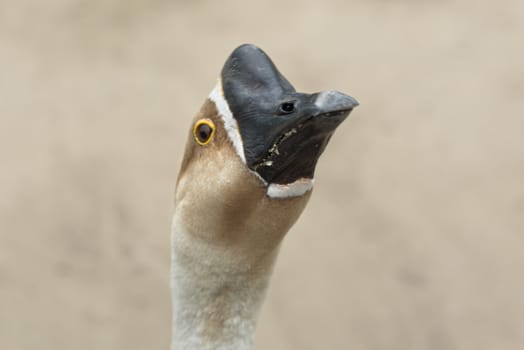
(250, 158)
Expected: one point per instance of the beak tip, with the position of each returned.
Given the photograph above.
(335, 100)
(354, 102)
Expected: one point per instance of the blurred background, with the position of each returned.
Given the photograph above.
(413, 238)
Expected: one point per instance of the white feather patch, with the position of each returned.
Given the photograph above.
(230, 123)
(294, 189)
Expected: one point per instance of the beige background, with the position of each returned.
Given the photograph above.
(413, 239)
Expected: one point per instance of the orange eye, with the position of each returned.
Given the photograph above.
(204, 131)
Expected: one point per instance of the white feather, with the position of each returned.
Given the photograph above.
(230, 123)
(294, 189)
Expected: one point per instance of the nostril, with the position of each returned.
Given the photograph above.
(287, 107)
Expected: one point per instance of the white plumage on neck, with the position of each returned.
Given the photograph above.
(216, 296)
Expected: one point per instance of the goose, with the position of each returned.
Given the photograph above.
(246, 175)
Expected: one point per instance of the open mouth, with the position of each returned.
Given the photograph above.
(295, 153)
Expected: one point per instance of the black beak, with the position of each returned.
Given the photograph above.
(296, 150)
(283, 132)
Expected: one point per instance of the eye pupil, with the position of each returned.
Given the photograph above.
(287, 107)
(204, 131)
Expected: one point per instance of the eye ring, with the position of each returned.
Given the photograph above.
(204, 131)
